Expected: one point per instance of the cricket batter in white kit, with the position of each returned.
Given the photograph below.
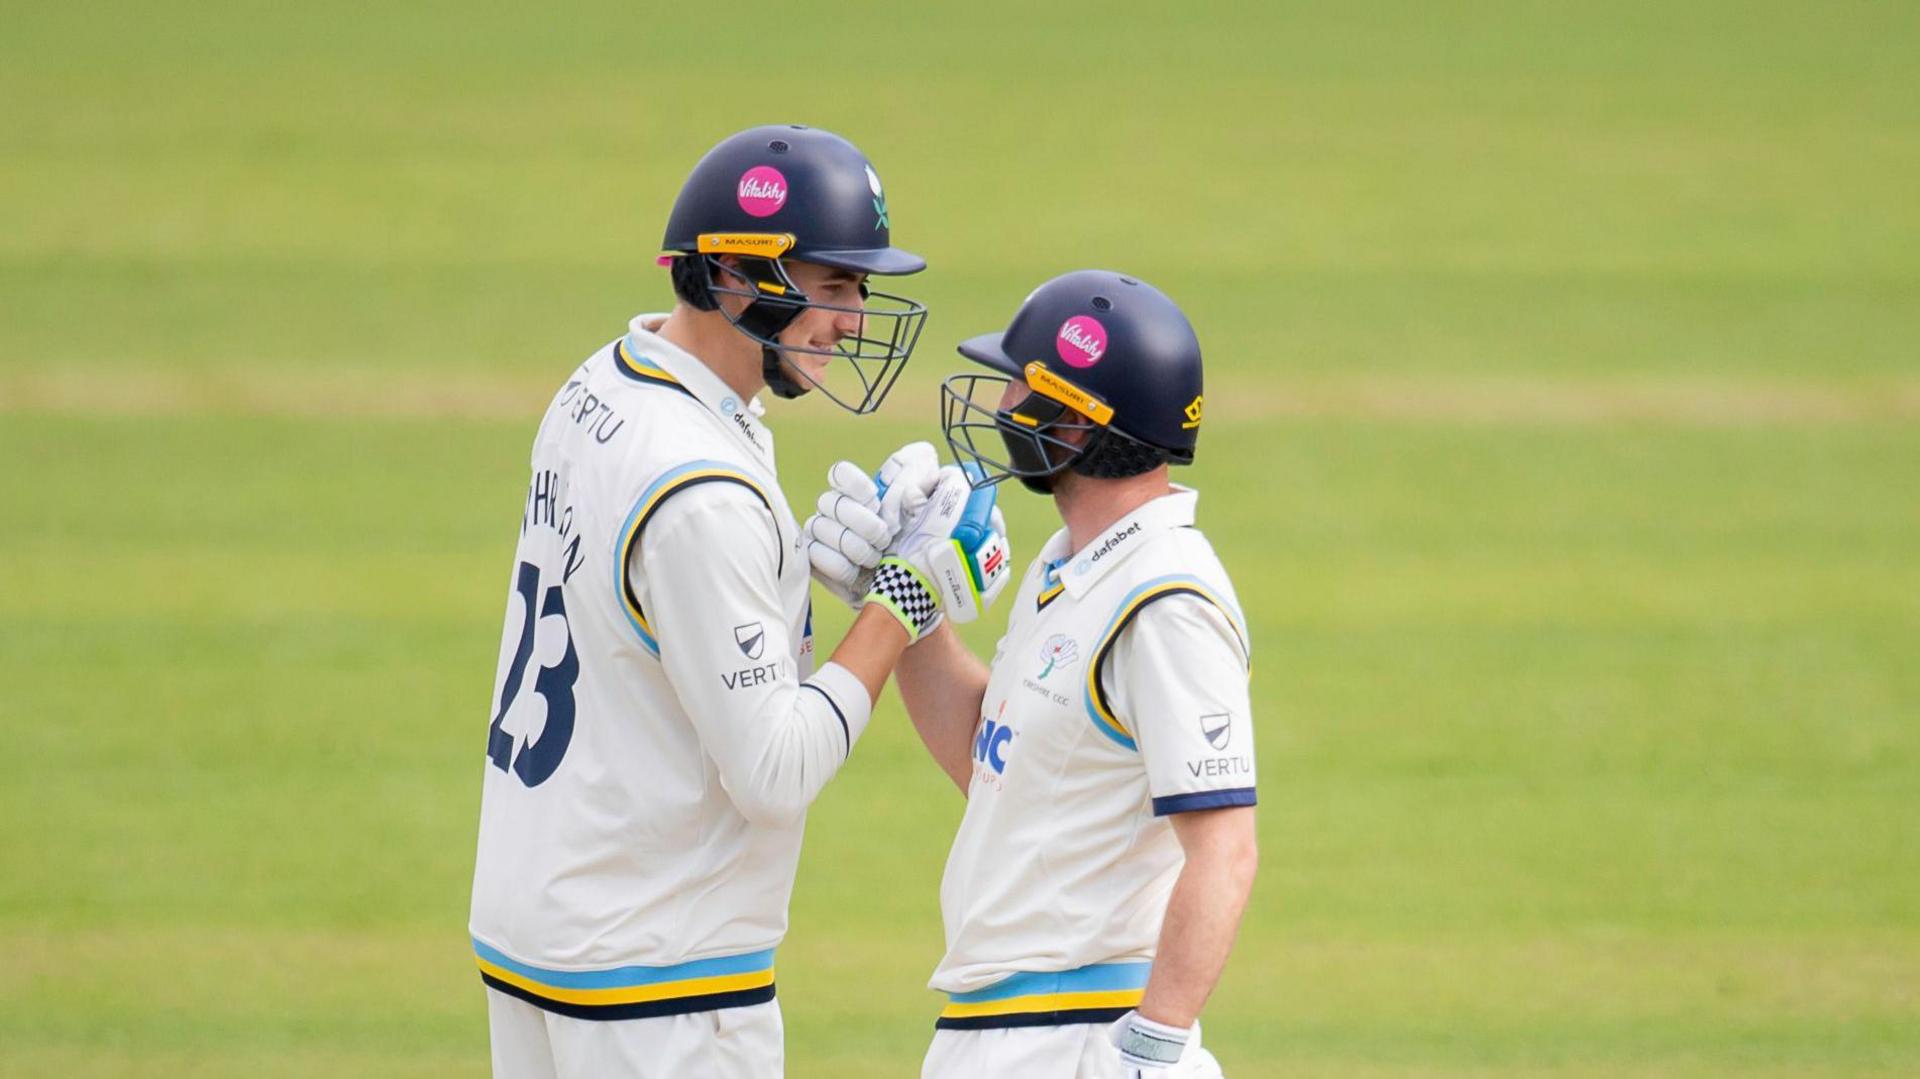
(1097, 882)
(659, 726)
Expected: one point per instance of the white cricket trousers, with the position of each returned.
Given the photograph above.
(1074, 1051)
(732, 1043)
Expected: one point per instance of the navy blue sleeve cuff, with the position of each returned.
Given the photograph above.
(1187, 803)
(838, 714)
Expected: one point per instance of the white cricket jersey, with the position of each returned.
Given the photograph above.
(1117, 697)
(657, 728)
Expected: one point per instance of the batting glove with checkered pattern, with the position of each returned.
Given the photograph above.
(930, 573)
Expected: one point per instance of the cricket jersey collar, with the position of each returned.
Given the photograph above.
(1084, 568)
(743, 418)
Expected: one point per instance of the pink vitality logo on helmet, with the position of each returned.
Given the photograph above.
(1082, 341)
(763, 190)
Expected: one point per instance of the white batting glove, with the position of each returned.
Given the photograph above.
(846, 534)
(906, 477)
(953, 560)
(854, 522)
(1151, 1050)
(976, 568)
(907, 581)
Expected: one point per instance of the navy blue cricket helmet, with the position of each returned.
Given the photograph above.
(786, 191)
(1097, 351)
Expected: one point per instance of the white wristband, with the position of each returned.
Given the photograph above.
(1144, 1043)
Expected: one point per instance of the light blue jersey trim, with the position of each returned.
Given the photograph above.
(1171, 584)
(1098, 978)
(623, 541)
(631, 362)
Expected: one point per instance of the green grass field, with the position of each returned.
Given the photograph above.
(1564, 430)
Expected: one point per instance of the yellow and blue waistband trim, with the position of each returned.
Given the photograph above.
(704, 985)
(1099, 993)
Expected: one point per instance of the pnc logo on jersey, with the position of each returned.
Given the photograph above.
(762, 191)
(990, 745)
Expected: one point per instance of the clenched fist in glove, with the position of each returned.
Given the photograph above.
(950, 559)
(858, 516)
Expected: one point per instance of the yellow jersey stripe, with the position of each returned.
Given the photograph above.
(631, 366)
(1046, 1002)
(1096, 696)
(698, 472)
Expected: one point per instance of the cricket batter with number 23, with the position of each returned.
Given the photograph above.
(658, 726)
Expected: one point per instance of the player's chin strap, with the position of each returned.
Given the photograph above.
(775, 375)
(766, 317)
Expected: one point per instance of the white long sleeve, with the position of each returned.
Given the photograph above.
(710, 559)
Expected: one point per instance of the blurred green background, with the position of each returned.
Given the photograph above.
(1563, 437)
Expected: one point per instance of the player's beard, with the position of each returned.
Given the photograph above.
(1027, 455)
